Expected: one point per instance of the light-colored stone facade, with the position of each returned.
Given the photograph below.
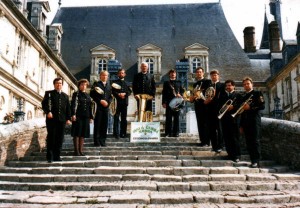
(27, 64)
(286, 86)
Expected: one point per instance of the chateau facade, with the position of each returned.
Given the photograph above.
(28, 64)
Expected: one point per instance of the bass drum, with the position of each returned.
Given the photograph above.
(176, 103)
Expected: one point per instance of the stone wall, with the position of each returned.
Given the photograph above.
(21, 139)
(281, 142)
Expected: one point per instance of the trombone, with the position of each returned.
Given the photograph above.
(241, 108)
(225, 108)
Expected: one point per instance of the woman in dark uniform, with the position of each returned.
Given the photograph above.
(81, 111)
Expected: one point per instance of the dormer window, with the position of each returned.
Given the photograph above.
(101, 54)
(197, 55)
(152, 55)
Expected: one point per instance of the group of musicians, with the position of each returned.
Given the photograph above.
(221, 112)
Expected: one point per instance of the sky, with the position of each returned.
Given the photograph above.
(239, 13)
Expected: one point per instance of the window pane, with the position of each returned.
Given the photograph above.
(150, 65)
(196, 63)
(102, 65)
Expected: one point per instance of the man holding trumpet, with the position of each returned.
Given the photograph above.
(251, 120)
(228, 104)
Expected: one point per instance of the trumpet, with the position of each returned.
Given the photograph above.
(241, 108)
(225, 108)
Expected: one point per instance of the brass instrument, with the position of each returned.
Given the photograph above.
(144, 116)
(113, 105)
(225, 108)
(210, 93)
(241, 108)
(94, 108)
(187, 95)
(99, 90)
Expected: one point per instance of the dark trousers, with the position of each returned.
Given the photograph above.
(55, 138)
(214, 131)
(231, 136)
(100, 127)
(120, 128)
(172, 121)
(201, 117)
(252, 135)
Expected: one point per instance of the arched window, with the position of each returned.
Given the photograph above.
(102, 65)
(150, 65)
(196, 64)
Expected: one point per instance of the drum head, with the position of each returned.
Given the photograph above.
(176, 103)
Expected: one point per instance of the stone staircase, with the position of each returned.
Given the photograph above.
(172, 173)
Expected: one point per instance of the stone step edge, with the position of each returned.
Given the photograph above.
(33, 178)
(151, 186)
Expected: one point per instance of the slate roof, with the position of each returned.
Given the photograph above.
(171, 27)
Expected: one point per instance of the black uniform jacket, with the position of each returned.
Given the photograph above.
(257, 103)
(97, 97)
(143, 84)
(124, 89)
(58, 104)
(81, 105)
(170, 89)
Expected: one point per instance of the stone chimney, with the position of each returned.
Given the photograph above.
(54, 33)
(249, 39)
(274, 37)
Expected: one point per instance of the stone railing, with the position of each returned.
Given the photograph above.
(21, 139)
(281, 142)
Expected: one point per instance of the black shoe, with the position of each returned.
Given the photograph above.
(254, 165)
(49, 161)
(58, 160)
(117, 136)
(176, 135)
(123, 136)
(218, 150)
(102, 144)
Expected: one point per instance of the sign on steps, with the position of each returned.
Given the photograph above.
(145, 132)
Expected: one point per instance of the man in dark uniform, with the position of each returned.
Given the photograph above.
(56, 106)
(199, 87)
(251, 120)
(228, 104)
(143, 83)
(121, 93)
(214, 130)
(171, 89)
(101, 94)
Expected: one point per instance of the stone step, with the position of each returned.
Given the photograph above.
(215, 186)
(153, 199)
(57, 168)
(214, 175)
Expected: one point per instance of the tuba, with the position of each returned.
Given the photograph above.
(144, 116)
(113, 105)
